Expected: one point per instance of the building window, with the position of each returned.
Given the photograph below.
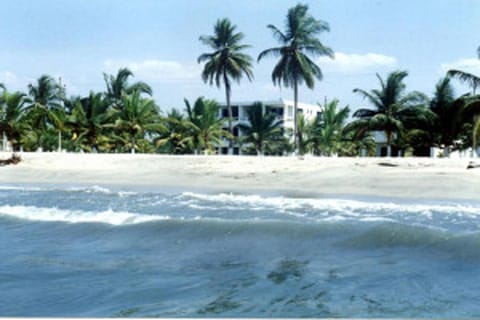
(235, 112)
(224, 150)
(224, 112)
(236, 151)
(236, 131)
(290, 111)
(278, 112)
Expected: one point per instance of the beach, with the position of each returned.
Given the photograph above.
(307, 176)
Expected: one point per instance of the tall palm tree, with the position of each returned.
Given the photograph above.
(227, 62)
(263, 127)
(118, 85)
(299, 40)
(138, 116)
(206, 129)
(392, 108)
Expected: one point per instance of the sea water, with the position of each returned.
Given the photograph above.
(98, 252)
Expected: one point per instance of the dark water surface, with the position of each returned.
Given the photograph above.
(94, 252)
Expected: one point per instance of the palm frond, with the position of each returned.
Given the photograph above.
(469, 78)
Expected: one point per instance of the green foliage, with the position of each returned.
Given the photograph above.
(227, 62)
(137, 117)
(262, 129)
(205, 127)
(394, 110)
(89, 121)
(125, 119)
(176, 139)
(297, 42)
(12, 116)
(328, 136)
(118, 86)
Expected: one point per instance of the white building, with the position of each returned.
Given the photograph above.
(381, 147)
(282, 108)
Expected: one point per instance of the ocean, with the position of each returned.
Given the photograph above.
(111, 252)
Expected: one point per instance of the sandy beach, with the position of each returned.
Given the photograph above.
(417, 178)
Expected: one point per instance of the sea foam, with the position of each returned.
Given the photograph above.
(77, 216)
(353, 207)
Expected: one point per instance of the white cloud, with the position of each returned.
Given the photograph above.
(355, 63)
(156, 70)
(468, 65)
(8, 78)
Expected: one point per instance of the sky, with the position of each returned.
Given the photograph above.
(79, 40)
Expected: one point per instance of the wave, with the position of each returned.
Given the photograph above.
(343, 235)
(17, 188)
(76, 216)
(333, 209)
(119, 218)
(462, 245)
(87, 189)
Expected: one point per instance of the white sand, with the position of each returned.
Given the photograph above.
(421, 178)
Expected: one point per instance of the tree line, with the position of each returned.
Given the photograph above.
(125, 118)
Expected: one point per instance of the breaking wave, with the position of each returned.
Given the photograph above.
(60, 215)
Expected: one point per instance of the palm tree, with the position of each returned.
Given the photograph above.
(88, 121)
(206, 129)
(304, 134)
(392, 108)
(471, 113)
(12, 115)
(263, 127)
(176, 139)
(118, 85)
(469, 78)
(58, 117)
(137, 116)
(226, 62)
(448, 115)
(297, 42)
(328, 128)
(46, 95)
(473, 109)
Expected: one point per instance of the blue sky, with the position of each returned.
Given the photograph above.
(158, 40)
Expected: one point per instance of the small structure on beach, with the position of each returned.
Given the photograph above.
(14, 159)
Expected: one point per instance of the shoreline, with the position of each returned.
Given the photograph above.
(313, 177)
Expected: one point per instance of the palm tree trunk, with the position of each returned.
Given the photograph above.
(476, 123)
(133, 145)
(295, 108)
(4, 141)
(230, 113)
(59, 141)
(259, 147)
(389, 143)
